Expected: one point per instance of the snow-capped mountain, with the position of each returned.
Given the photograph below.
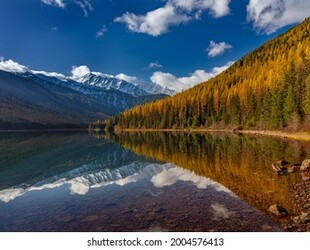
(156, 89)
(116, 99)
(107, 82)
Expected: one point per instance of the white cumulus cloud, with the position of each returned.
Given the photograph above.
(79, 71)
(178, 84)
(127, 78)
(15, 67)
(173, 13)
(270, 15)
(217, 8)
(182, 83)
(11, 66)
(216, 49)
(155, 22)
(217, 70)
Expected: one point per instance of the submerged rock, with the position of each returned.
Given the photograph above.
(305, 166)
(277, 210)
(305, 176)
(283, 167)
(280, 167)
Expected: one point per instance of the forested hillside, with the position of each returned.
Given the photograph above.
(267, 89)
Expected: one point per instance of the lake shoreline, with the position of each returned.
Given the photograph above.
(300, 135)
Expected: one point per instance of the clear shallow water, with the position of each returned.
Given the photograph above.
(140, 182)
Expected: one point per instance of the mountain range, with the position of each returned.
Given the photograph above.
(37, 100)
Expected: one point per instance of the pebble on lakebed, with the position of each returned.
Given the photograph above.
(305, 166)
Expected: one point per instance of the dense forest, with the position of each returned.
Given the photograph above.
(267, 89)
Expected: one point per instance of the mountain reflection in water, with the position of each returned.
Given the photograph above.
(239, 162)
(78, 182)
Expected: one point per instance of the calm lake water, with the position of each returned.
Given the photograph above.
(143, 181)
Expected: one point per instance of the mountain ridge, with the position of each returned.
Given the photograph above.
(108, 83)
(37, 101)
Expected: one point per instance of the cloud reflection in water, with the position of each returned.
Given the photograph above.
(161, 175)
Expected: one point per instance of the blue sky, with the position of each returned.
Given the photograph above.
(165, 41)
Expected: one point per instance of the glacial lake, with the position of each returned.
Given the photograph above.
(148, 181)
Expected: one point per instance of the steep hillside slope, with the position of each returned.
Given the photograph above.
(26, 104)
(267, 89)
